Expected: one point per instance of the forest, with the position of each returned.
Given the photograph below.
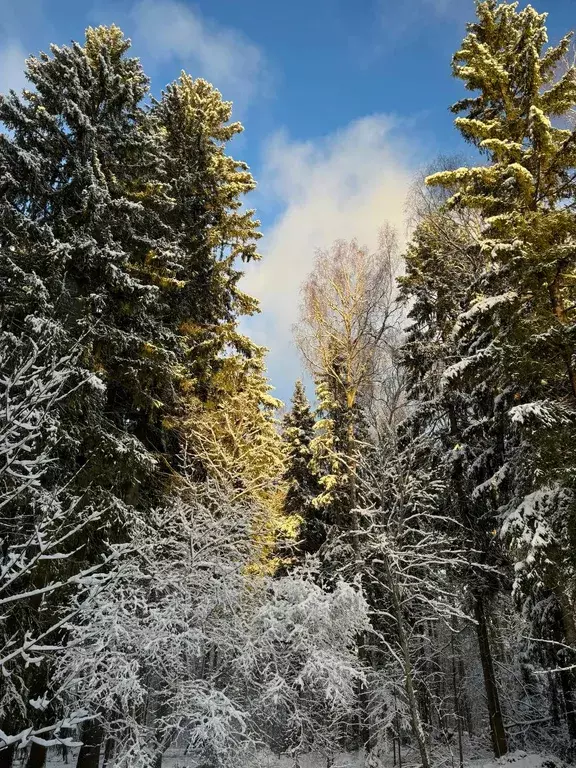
(381, 573)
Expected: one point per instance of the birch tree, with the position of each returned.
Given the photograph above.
(348, 326)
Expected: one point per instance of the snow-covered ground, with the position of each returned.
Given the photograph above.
(516, 759)
(519, 759)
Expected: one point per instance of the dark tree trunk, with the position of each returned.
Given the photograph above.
(92, 736)
(567, 678)
(567, 685)
(37, 756)
(457, 714)
(7, 756)
(497, 730)
(554, 700)
(108, 750)
(465, 703)
(365, 738)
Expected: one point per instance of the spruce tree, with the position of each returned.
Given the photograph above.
(70, 234)
(454, 428)
(517, 332)
(341, 451)
(514, 335)
(210, 230)
(302, 483)
(332, 451)
(75, 165)
(133, 221)
(121, 229)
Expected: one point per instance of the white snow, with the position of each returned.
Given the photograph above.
(517, 759)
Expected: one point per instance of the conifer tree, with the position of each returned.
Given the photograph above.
(210, 231)
(514, 335)
(70, 232)
(517, 330)
(133, 221)
(74, 167)
(334, 450)
(342, 450)
(443, 262)
(121, 228)
(302, 483)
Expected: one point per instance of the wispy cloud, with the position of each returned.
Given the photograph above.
(172, 30)
(342, 186)
(404, 25)
(19, 23)
(12, 58)
(389, 9)
(443, 7)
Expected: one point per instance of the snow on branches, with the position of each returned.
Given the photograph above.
(42, 527)
(189, 646)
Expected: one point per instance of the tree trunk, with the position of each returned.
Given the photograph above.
(92, 735)
(364, 731)
(37, 756)
(559, 310)
(408, 672)
(353, 462)
(496, 720)
(365, 739)
(7, 756)
(457, 713)
(108, 753)
(567, 685)
(567, 680)
(464, 700)
(554, 700)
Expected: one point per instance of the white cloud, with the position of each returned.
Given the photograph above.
(399, 23)
(456, 11)
(173, 30)
(442, 6)
(342, 186)
(12, 58)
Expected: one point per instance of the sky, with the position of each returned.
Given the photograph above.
(343, 102)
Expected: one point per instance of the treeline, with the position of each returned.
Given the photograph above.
(392, 570)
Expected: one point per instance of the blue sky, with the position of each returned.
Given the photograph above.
(342, 101)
